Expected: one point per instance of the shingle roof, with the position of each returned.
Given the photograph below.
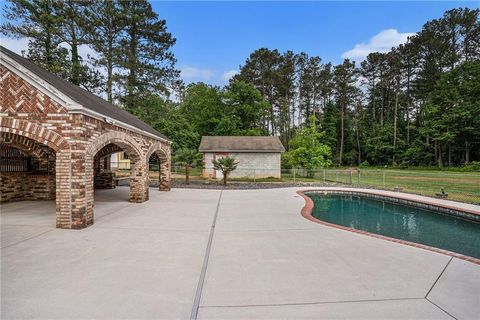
(83, 97)
(240, 144)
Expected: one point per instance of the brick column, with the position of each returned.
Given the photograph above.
(164, 184)
(103, 176)
(138, 180)
(62, 196)
(74, 199)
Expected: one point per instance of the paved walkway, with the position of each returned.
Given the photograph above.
(163, 258)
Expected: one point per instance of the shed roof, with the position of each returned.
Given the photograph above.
(241, 144)
(81, 96)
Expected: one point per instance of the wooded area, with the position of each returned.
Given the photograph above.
(416, 105)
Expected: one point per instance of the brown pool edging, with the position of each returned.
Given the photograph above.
(307, 214)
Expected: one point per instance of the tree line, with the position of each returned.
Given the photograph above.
(416, 105)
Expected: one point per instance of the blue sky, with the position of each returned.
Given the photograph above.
(214, 38)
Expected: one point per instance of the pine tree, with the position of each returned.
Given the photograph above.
(146, 47)
(105, 22)
(345, 77)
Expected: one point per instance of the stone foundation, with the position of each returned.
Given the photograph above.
(18, 186)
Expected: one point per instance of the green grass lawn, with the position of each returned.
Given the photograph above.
(461, 186)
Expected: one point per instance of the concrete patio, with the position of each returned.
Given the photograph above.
(153, 261)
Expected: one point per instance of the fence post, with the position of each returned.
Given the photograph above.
(336, 176)
(358, 176)
(254, 176)
(324, 176)
(351, 176)
(294, 173)
(383, 171)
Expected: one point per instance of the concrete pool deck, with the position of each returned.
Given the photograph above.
(144, 261)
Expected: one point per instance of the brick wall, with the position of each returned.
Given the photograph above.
(11, 186)
(17, 186)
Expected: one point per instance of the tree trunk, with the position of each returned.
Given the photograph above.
(225, 178)
(187, 175)
(48, 40)
(75, 76)
(132, 68)
(382, 110)
(408, 107)
(340, 153)
(408, 127)
(449, 154)
(374, 111)
(440, 159)
(358, 146)
(467, 152)
(110, 71)
(395, 126)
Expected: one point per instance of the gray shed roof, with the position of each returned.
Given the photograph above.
(83, 97)
(240, 144)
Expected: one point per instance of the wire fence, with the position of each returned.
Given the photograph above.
(459, 186)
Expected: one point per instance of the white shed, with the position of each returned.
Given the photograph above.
(258, 157)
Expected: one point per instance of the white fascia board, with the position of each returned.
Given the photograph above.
(71, 105)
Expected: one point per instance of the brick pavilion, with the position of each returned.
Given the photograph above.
(56, 140)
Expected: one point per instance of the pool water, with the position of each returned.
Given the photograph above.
(399, 221)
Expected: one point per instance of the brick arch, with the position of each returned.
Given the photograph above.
(33, 131)
(122, 140)
(108, 150)
(24, 144)
(162, 151)
(61, 148)
(138, 174)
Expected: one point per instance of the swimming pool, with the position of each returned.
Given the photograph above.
(396, 220)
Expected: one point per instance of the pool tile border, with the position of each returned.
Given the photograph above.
(306, 212)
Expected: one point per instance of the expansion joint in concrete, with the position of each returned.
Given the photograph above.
(440, 308)
(26, 239)
(306, 303)
(438, 278)
(201, 280)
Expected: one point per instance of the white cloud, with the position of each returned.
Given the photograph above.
(227, 75)
(381, 42)
(197, 74)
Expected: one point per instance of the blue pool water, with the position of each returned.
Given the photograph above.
(399, 221)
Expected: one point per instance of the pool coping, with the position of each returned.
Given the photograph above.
(306, 212)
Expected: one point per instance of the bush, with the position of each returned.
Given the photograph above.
(364, 164)
(472, 166)
(286, 161)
